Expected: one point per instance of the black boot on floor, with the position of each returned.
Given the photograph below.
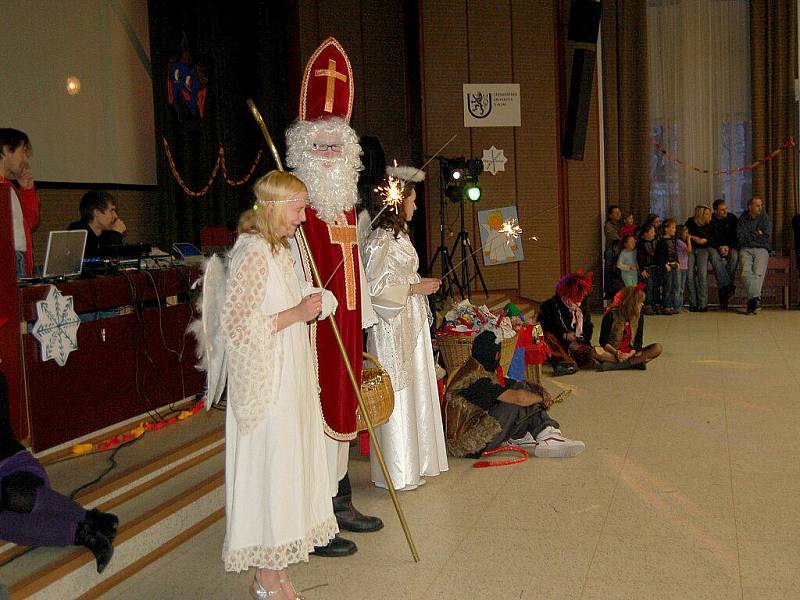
(751, 306)
(89, 537)
(336, 547)
(105, 523)
(564, 368)
(348, 518)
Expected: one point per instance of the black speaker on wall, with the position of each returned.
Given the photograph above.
(584, 21)
(580, 97)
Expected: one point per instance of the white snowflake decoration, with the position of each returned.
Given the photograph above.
(56, 327)
(494, 160)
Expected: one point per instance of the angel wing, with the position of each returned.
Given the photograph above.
(207, 330)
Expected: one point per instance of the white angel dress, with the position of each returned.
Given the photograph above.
(277, 498)
(413, 439)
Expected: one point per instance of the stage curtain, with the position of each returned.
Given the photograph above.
(625, 105)
(243, 49)
(773, 50)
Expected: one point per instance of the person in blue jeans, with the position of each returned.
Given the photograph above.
(724, 250)
(754, 234)
(667, 258)
(697, 276)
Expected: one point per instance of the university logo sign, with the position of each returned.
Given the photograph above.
(491, 105)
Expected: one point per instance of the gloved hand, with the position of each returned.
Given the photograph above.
(329, 301)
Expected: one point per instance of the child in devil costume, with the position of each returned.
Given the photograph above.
(567, 324)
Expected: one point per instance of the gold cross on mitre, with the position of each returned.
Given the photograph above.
(332, 75)
(343, 234)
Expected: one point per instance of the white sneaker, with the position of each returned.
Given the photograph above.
(551, 443)
(526, 441)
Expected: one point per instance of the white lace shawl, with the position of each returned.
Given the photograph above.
(250, 334)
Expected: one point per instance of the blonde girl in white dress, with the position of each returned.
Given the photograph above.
(277, 498)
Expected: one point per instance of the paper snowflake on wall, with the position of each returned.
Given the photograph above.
(494, 160)
(56, 327)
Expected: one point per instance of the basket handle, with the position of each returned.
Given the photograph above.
(374, 360)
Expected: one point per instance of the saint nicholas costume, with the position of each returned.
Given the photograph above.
(326, 102)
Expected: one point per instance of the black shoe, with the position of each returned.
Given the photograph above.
(348, 518)
(751, 306)
(89, 537)
(563, 368)
(703, 309)
(694, 309)
(105, 523)
(641, 366)
(336, 547)
(618, 366)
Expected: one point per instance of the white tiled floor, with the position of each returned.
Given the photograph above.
(688, 489)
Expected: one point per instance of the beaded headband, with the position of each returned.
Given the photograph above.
(291, 198)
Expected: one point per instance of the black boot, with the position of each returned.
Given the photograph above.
(336, 547)
(89, 537)
(348, 518)
(105, 523)
(564, 368)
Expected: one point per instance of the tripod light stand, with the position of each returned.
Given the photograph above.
(458, 180)
(449, 278)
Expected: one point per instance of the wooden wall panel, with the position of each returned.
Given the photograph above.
(491, 60)
(537, 145)
(584, 201)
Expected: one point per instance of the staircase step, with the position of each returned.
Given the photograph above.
(165, 492)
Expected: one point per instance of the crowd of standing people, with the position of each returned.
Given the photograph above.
(670, 259)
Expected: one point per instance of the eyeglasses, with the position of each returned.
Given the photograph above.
(326, 147)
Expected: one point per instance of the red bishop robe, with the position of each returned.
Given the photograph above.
(329, 244)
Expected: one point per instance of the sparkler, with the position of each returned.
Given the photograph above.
(510, 228)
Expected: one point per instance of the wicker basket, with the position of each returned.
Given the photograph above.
(457, 349)
(377, 394)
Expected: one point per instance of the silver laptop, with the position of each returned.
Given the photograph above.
(64, 253)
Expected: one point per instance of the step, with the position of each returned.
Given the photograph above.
(168, 489)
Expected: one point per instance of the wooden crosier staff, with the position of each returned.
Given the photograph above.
(301, 239)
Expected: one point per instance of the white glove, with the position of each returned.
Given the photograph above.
(329, 301)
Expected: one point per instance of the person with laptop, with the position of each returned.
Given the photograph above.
(104, 228)
(15, 147)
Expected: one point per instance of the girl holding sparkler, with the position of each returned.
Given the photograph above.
(413, 439)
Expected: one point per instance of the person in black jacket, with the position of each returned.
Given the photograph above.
(567, 324)
(649, 270)
(667, 260)
(104, 228)
(723, 250)
(622, 333)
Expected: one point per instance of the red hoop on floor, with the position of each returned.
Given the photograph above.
(482, 464)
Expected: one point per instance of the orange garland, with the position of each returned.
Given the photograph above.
(220, 163)
(789, 143)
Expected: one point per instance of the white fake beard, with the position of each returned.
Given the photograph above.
(331, 190)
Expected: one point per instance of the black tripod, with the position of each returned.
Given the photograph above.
(449, 277)
(466, 253)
